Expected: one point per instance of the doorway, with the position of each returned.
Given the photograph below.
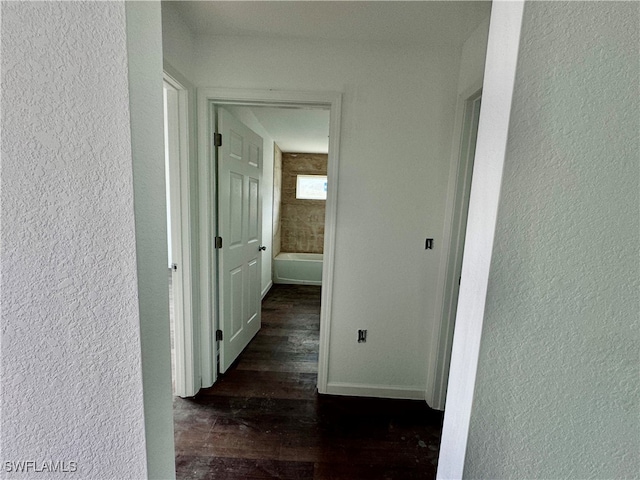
(271, 161)
(470, 102)
(208, 100)
(178, 186)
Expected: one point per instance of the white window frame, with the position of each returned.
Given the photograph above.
(300, 179)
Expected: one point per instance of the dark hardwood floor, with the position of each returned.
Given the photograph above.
(264, 419)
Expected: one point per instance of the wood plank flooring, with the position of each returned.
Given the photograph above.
(264, 419)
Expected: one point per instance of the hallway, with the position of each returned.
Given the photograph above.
(264, 419)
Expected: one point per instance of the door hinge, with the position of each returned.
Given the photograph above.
(174, 267)
(218, 335)
(218, 242)
(217, 139)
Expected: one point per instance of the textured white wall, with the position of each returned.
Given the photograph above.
(71, 352)
(397, 118)
(557, 384)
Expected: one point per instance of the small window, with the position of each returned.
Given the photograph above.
(311, 187)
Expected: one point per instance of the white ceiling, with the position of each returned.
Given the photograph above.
(294, 130)
(386, 22)
(299, 130)
(396, 22)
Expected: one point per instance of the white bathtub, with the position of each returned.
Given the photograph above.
(298, 268)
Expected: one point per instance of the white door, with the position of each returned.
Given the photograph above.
(240, 226)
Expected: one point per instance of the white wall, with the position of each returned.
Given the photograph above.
(177, 41)
(72, 364)
(473, 58)
(557, 383)
(245, 115)
(398, 110)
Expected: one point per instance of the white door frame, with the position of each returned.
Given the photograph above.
(207, 98)
(439, 352)
(491, 145)
(186, 379)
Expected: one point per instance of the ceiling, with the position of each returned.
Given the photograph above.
(392, 22)
(396, 23)
(298, 130)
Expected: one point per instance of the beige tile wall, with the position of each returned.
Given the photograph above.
(277, 200)
(301, 221)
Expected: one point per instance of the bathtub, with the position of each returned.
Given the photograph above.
(298, 268)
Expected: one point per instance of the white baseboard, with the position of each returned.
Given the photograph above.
(358, 390)
(266, 289)
(290, 281)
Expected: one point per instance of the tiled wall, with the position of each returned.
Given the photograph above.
(277, 200)
(301, 221)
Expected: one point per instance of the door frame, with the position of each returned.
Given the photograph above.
(207, 98)
(187, 380)
(450, 263)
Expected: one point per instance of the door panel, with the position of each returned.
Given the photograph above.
(236, 287)
(235, 209)
(254, 155)
(235, 148)
(254, 201)
(240, 226)
(254, 291)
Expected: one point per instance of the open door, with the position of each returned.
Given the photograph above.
(240, 227)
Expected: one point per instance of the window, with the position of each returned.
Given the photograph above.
(311, 187)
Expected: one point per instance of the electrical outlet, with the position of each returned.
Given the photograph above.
(362, 336)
